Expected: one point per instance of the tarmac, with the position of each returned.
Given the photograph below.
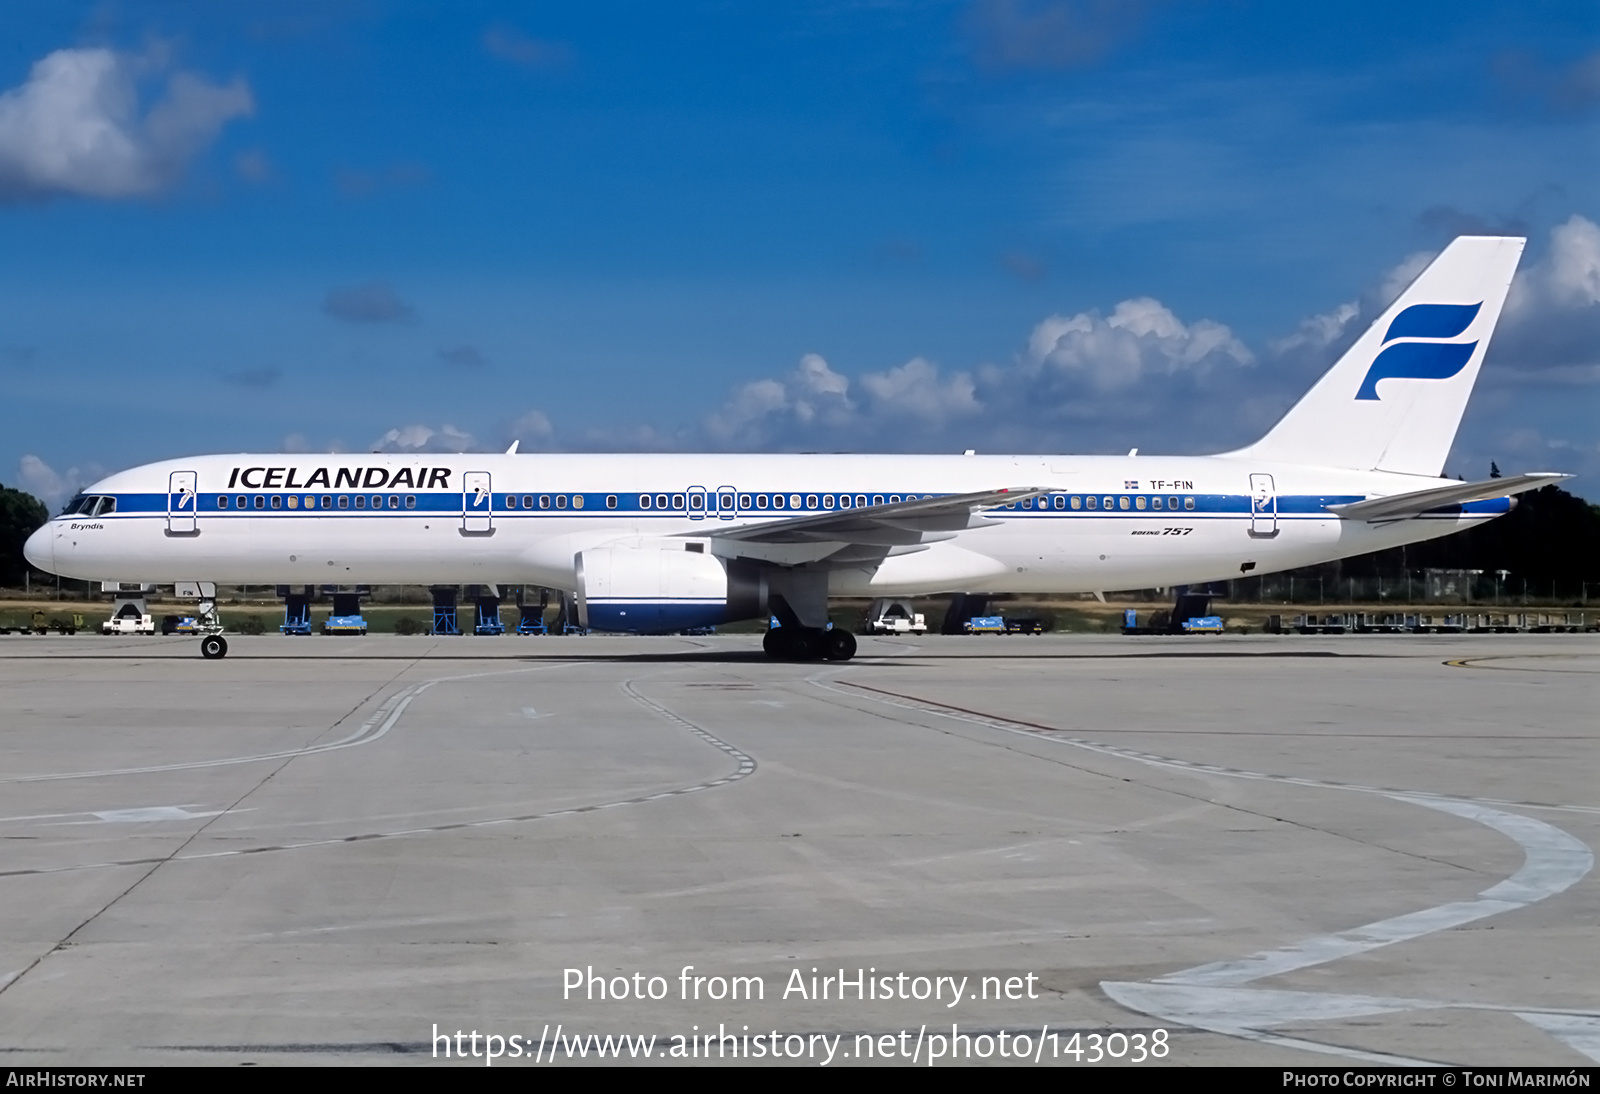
(1269, 850)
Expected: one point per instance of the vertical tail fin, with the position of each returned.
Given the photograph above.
(1394, 400)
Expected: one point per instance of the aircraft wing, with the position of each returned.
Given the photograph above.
(1401, 506)
(874, 530)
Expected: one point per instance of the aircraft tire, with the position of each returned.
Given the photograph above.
(213, 647)
(839, 645)
(806, 645)
(776, 643)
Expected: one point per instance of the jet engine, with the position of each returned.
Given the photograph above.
(666, 586)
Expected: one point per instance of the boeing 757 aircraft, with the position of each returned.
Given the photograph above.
(659, 543)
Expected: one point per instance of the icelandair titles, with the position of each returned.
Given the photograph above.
(343, 478)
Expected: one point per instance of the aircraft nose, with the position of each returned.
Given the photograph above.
(40, 550)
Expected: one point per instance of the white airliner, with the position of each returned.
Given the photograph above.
(660, 543)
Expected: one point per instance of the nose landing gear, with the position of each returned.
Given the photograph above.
(213, 647)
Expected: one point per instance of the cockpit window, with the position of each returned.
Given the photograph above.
(107, 505)
(75, 506)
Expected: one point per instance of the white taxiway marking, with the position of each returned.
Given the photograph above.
(1210, 996)
(152, 813)
(371, 730)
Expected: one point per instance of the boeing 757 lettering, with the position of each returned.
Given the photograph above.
(661, 543)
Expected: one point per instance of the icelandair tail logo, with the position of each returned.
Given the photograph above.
(1423, 360)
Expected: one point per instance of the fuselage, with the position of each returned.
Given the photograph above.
(1108, 522)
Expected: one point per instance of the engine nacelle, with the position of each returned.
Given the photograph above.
(665, 586)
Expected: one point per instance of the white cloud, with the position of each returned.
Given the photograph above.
(422, 438)
(533, 430)
(76, 126)
(1396, 280)
(1572, 273)
(52, 487)
(915, 390)
(811, 397)
(1551, 328)
(1140, 339)
(1318, 331)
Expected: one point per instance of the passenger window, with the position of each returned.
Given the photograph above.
(1172, 503)
(344, 501)
(361, 501)
(761, 501)
(777, 501)
(611, 501)
(861, 501)
(544, 501)
(811, 501)
(511, 501)
(277, 502)
(844, 501)
(1093, 502)
(661, 502)
(1138, 503)
(677, 501)
(527, 501)
(1155, 502)
(294, 501)
(697, 501)
(1060, 501)
(1077, 502)
(827, 501)
(222, 501)
(577, 501)
(725, 501)
(894, 499)
(1188, 503)
(644, 501)
(1108, 503)
(239, 502)
(877, 499)
(411, 501)
(394, 501)
(260, 502)
(561, 501)
(744, 501)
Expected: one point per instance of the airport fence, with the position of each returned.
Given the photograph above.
(1468, 587)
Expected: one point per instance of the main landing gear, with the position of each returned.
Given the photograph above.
(809, 644)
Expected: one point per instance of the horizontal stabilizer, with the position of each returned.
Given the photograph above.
(1401, 506)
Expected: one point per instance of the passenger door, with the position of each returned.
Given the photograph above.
(183, 503)
(1263, 507)
(477, 504)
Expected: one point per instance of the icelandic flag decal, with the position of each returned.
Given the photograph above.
(1434, 359)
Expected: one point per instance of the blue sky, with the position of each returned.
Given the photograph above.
(1032, 225)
